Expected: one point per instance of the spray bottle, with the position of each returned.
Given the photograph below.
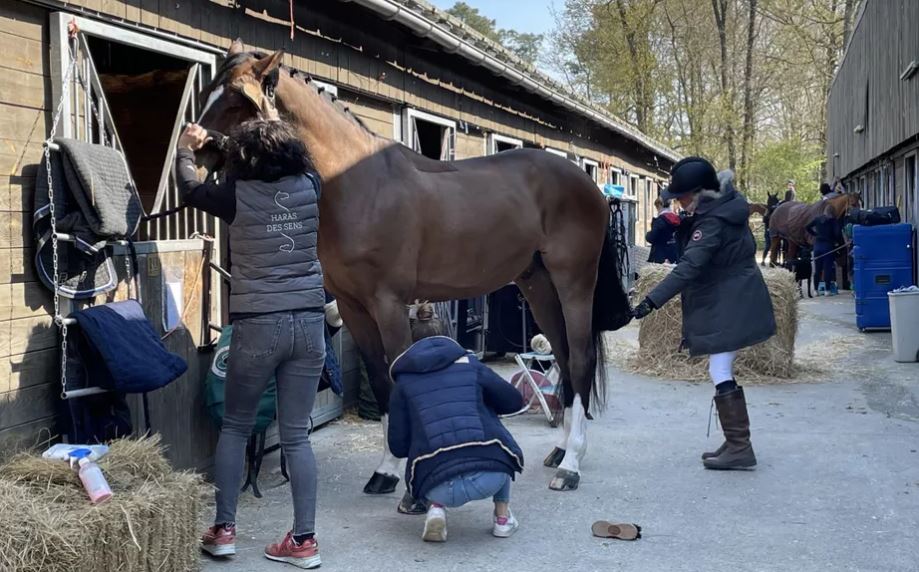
(91, 476)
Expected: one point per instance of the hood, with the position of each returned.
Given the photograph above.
(427, 355)
(725, 203)
(672, 218)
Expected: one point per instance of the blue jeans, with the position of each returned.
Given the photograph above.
(472, 486)
(290, 346)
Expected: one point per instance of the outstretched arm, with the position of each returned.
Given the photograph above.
(399, 433)
(502, 397)
(704, 241)
(211, 197)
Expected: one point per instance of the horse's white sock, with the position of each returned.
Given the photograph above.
(565, 430)
(577, 437)
(389, 464)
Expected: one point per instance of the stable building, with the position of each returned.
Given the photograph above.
(407, 70)
(873, 109)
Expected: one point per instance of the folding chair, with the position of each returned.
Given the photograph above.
(541, 374)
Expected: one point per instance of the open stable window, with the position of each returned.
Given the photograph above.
(910, 200)
(615, 176)
(133, 92)
(429, 135)
(558, 152)
(592, 168)
(632, 188)
(498, 143)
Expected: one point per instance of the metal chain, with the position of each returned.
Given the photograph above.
(58, 319)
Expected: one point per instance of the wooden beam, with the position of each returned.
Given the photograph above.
(26, 405)
(26, 370)
(24, 55)
(23, 20)
(34, 434)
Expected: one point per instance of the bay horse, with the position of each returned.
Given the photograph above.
(396, 227)
(772, 201)
(790, 218)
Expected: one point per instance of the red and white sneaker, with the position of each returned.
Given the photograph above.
(219, 540)
(304, 555)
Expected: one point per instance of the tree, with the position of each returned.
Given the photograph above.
(526, 46)
(741, 82)
(475, 20)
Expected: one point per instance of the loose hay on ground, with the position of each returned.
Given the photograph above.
(660, 335)
(48, 524)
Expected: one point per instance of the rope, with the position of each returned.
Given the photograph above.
(813, 258)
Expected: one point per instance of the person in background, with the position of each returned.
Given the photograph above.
(661, 236)
(827, 192)
(725, 303)
(827, 233)
(443, 416)
(790, 193)
(269, 198)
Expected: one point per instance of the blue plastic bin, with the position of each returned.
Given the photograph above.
(883, 262)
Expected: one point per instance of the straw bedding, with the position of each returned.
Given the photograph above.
(47, 523)
(661, 332)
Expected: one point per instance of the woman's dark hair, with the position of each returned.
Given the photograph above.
(266, 151)
(426, 324)
(825, 189)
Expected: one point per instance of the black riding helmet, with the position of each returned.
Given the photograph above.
(690, 175)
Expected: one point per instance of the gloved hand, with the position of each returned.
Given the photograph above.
(643, 309)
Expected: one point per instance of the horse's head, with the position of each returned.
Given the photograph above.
(243, 89)
(772, 199)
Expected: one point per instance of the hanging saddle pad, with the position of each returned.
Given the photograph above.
(94, 201)
(120, 351)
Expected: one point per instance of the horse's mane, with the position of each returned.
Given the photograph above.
(336, 104)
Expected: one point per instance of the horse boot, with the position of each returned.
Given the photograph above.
(821, 289)
(737, 451)
(833, 289)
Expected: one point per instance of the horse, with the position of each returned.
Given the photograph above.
(396, 226)
(772, 201)
(789, 220)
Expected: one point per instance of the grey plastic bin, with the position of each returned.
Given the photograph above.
(904, 324)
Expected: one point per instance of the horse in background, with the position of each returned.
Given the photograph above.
(772, 201)
(396, 226)
(789, 220)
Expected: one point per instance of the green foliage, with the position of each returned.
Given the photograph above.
(475, 20)
(777, 161)
(526, 46)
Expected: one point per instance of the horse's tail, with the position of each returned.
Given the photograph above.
(611, 309)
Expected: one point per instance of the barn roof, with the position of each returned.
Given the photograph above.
(453, 36)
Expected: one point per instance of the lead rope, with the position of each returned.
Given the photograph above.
(58, 318)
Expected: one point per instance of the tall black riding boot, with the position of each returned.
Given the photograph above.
(737, 452)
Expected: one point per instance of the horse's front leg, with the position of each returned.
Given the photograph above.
(391, 316)
(366, 335)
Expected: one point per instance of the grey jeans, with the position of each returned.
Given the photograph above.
(290, 346)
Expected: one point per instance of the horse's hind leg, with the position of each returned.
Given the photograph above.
(774, 247)
(575, 284)
(537, 287)
(366, 335)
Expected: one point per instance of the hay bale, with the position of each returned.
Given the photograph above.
(150, 523)
(660, 335)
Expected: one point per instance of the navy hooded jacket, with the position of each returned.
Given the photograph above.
(443, 415)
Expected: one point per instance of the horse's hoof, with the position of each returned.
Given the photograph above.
(408, 505)
(565, 480)
(380, 484)
(555, 458)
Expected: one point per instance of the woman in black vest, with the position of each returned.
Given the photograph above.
(269, 198)
(726, 305)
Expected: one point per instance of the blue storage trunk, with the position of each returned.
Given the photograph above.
(883, 262)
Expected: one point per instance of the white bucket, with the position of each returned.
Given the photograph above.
(904, 325)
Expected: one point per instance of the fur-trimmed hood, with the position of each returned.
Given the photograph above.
(725, 203)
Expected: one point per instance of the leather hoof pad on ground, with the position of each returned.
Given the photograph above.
(555, 458)
(408, 505)
(565, 480)
(380, 484)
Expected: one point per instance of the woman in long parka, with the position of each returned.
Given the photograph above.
(726, 305)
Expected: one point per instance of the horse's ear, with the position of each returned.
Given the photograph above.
(268, 64)
(236, 48)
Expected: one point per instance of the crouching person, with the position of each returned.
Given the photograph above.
(443, 416)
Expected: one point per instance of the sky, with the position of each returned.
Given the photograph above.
(532, 16)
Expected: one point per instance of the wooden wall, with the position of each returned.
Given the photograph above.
(29, 381)
(868, 90)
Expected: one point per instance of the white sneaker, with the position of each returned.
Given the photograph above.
(435, 525)
(505, 526)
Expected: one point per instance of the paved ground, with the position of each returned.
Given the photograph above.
(837, 487)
